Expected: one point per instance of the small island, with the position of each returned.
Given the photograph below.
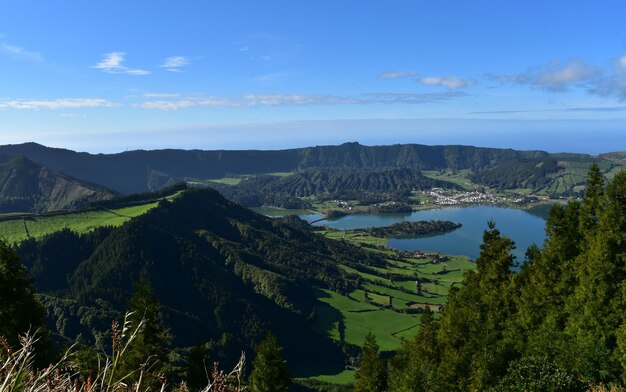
(413, 229)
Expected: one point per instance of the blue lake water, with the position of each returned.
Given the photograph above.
(523, 227)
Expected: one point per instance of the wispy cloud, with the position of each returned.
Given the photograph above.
(396, 75)
(161, 95)
(597, 109)
(614, 83)
(112, 63)
(175, 63)
(63, 103)
(410, 98)
(266, 100)
(20, 53)
(553, 76)
(449, 82)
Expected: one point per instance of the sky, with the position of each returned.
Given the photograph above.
(111, 76)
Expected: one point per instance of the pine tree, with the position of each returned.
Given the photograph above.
(269, 369)
(597, 305)
(414, 367)
(592, 202)
(372, 374)
(149, 350)
(20, 312)
(473, 329)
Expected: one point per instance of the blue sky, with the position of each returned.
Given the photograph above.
(118, 75)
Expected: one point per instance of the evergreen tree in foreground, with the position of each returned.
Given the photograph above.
(269, 369)
(414, 367)
(149, 350)
(372, 374)
(20, 312)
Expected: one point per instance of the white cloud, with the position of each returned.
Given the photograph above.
(64, 103)
(264, 100)
(112, 63)
(20, 53)
(551, 77)
(190, 102)
(175, 63)
(449, 82)
(244, 48)
(161, 95)
(410, 98)
(613, 84)
(396, 75)
(572, 72)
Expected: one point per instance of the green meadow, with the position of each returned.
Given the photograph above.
(388, 301)
(37, 226)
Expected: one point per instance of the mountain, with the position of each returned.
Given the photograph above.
(26, 186)
(223, 274)
(138, 171)
(288, 191)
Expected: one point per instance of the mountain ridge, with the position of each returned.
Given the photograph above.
(141, 170)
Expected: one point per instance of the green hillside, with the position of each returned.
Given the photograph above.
(206, 257)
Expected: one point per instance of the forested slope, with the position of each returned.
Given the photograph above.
(223, 274)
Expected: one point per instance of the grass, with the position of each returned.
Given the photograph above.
(79, 222)
(227, 180)
(383, 306)
(18, 373)
(350, 317)
(332, 376)
(461, 177)
(345, 319)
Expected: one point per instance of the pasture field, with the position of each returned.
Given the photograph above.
(37, 226)
(388, 296)
(459, 177)
(387, 302)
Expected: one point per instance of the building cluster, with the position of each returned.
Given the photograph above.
(444, 197)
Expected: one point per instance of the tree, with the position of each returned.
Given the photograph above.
(269, 369)
(414, 367)
(372, 374)
(149, 350)
(473, 330)
(20, 312)
(592, 202)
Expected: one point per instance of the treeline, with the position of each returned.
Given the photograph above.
(556, 325)
(330, 181)
(531, 174)
(368, 186)
(255, 196)
(413, 229)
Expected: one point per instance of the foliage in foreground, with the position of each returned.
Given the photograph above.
(19, 373)
(557, 324)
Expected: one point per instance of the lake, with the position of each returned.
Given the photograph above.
(523, 227)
